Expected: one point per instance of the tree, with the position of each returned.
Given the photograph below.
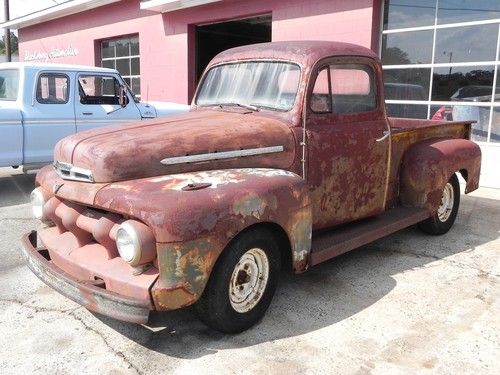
(14, 43)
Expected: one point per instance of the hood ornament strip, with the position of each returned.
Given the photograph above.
(221, 155)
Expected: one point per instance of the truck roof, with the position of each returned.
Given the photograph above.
(63, 67)
(305, 52)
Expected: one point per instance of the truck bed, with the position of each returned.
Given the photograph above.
(406, 132)
(401, 125)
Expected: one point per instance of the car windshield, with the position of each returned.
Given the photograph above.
(253, 85)
(9, 84)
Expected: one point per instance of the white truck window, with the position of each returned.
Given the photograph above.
(52, 88)
(9, 84)
(98, 89)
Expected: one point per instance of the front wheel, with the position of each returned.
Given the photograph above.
(242, 283)
(445, 216)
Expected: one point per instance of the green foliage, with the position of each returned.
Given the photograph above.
(14, 43)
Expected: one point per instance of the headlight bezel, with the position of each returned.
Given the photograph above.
(38, 200)
(140, 238)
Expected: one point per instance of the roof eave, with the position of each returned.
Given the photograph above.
(52, 13)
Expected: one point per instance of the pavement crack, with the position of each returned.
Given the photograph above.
(38, 308)
(71, 313)
(106, 342)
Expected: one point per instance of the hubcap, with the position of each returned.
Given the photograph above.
(444, 210)
(249, 280)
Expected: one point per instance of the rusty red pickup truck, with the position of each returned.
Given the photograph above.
(286, 158)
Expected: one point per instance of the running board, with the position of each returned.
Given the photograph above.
(329, 244)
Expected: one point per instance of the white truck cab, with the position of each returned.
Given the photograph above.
(43, 103)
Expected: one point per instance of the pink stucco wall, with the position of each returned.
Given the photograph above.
(166, 40)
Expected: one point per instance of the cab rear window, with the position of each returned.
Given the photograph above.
(9, 84)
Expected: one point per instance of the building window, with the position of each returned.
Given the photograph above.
(441, 61)
(123, 55)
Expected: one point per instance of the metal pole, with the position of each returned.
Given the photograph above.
(8, 52)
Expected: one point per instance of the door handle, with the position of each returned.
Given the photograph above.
(87, 113)
(386, 135)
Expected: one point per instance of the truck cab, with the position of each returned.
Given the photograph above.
(43, 103)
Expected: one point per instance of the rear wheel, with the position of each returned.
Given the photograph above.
(445, 216)
(242, 283)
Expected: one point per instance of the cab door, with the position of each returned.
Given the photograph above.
(348, 142)
(50, 117)
(97, 101)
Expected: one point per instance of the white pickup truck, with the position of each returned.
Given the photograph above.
(43, 103)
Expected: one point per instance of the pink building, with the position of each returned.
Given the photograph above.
(171, 42)
(440, 58)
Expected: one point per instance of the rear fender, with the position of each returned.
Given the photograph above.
(427, 166)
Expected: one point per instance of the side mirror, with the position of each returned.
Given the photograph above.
(122, 96)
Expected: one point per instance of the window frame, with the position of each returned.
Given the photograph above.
(332, 61)
(101, 75)
(129, 57)
(55, 74)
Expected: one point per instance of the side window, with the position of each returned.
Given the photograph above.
(52, 88)
(97, 89)
(353, 88)
(321, 101)
(344, 88)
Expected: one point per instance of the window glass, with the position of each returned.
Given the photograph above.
(353, 88)
(135, 66)
(412, 47)
(134, 46)
(99, 89)
(9, 84)
(451, 11)
(123, 66)
(473, 84)
(466, 44)
(122, 54)
(497, 91)
(407, 110)
(268, 85)
(108, 49)
(109, 64)
(52, 88)
(495, 126)
(407, 84)
(321, 101)
(408, 13)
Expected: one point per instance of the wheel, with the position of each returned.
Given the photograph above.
(242, 283)
(446, 213)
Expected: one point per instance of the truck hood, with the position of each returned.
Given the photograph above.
(194, 141)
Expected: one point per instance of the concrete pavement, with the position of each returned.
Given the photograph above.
(409, 303)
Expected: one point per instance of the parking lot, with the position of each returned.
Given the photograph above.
(409, 303)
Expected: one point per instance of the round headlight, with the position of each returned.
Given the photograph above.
(135, 243)
(38, 200)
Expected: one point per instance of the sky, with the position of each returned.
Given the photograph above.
(19, 8)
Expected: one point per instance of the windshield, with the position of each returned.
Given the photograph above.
(9, 84)
(271, 85)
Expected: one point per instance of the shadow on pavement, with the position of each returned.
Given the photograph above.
(326, 294)
(15, 187)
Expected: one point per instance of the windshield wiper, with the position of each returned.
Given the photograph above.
(258, 105)
(247, 106)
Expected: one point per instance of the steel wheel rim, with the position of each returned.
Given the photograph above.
(249, 280)
(447, 201)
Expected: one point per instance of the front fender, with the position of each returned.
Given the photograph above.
(195, 215)
(427, 166)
